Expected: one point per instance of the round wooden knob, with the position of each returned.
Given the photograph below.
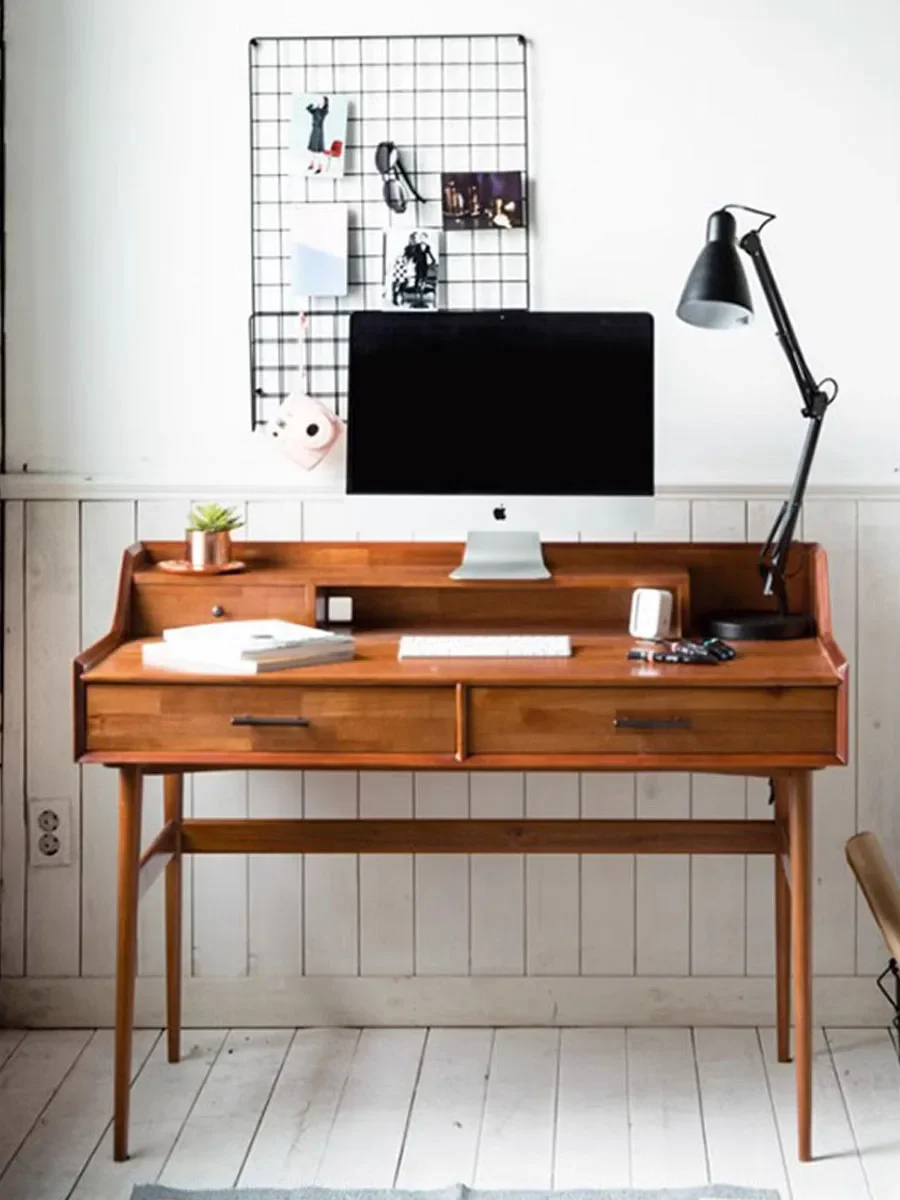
(218, 610)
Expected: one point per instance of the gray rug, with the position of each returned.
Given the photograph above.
(152, 1191)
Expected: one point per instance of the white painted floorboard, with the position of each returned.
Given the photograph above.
(445, 1122)
(530, 1108)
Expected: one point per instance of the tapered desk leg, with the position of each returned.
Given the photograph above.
(173, 791)
(800, 820)
(782, 931)
(130, 797)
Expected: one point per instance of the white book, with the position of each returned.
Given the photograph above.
(174, 657)
(251, 641)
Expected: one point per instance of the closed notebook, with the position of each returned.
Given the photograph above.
(174, 657)
(253, 641)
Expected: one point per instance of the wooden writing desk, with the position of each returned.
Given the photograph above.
(779, 710)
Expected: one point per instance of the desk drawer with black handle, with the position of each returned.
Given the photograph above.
(651, 720)
(185, 717)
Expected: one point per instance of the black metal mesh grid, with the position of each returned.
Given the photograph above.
(450, 103)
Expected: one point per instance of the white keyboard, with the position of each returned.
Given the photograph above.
(486, 646)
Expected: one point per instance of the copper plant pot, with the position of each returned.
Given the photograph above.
(208, 549)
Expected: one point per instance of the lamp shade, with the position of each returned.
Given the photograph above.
(716, 295)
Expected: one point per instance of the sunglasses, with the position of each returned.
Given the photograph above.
(396, 180)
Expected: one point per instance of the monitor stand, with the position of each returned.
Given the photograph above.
(507, 555)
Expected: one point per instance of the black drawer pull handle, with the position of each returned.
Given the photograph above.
(652, 722)
(298, 722)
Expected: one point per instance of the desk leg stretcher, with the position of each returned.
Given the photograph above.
(787, 839)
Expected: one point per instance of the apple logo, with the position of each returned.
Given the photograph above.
(500, 512)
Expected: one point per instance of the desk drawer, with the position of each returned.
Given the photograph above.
(188, 717)
(653, 720)
(203, 601)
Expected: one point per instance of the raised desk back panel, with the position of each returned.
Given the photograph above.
(406, 586)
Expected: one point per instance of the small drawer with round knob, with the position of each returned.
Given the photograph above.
(166, 605)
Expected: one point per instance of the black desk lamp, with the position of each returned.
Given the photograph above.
(716, 296)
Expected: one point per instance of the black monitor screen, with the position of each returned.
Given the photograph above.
(501, 404)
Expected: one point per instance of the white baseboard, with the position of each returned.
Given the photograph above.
(81, 1003)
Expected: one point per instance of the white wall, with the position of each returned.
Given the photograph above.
(128, 216)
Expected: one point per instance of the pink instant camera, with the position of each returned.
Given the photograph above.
(305, 430)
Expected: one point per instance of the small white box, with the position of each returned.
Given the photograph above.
(651, 614)
(340, 609)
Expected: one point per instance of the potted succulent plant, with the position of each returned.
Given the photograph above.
(209, 535)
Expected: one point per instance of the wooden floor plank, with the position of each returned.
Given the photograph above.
(366, 1139)
(53, 1155)
(836, 1172)
(29, 1080)
(294, 1131)
(442, 1139)
(742, 1139)
(214, 1142)
(10, 1040)
(516, 1149)
(531, 1108)
(869, 1075)
(667, 1146)
(592, 1133)
(161, 1099)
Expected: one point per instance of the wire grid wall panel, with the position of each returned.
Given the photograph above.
(450, 104)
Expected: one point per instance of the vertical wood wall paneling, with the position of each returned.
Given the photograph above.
(331, 899)
(663, 880)
(275, 881)
(13, 847)
(498, 881)
(878, 733)
(718, 882)
(760, 882)
(220, 881)
(441, 880)
(55, 602)
(552, 882)
(161, 520)
(51, 642)
(107, 527)
(607, 881)
(386, 943)
(833, 524)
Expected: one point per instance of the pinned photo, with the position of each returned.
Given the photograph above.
(319, 134)
(319, 250)
(411, 268)
(483, 200)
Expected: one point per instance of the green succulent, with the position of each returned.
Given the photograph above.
(213, 518)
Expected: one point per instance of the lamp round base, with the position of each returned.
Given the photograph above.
(760, 626)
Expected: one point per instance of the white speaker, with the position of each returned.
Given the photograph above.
(651, 614)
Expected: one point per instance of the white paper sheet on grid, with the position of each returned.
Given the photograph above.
(450, 104)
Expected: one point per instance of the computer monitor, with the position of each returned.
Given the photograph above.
(500, 406)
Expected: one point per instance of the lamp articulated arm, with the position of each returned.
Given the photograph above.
(774, 553)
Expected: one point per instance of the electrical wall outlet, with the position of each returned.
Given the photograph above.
(50, 833)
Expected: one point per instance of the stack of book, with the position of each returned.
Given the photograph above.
(246, 647)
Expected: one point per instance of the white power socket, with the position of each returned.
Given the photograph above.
(50, 833)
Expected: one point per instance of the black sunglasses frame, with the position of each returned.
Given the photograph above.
(395, 176)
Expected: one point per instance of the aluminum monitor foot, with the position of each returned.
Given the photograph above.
(508, 555)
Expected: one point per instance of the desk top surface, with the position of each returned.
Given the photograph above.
(597, 659)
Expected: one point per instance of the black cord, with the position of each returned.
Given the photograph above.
(820, 386)
(760, 212)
